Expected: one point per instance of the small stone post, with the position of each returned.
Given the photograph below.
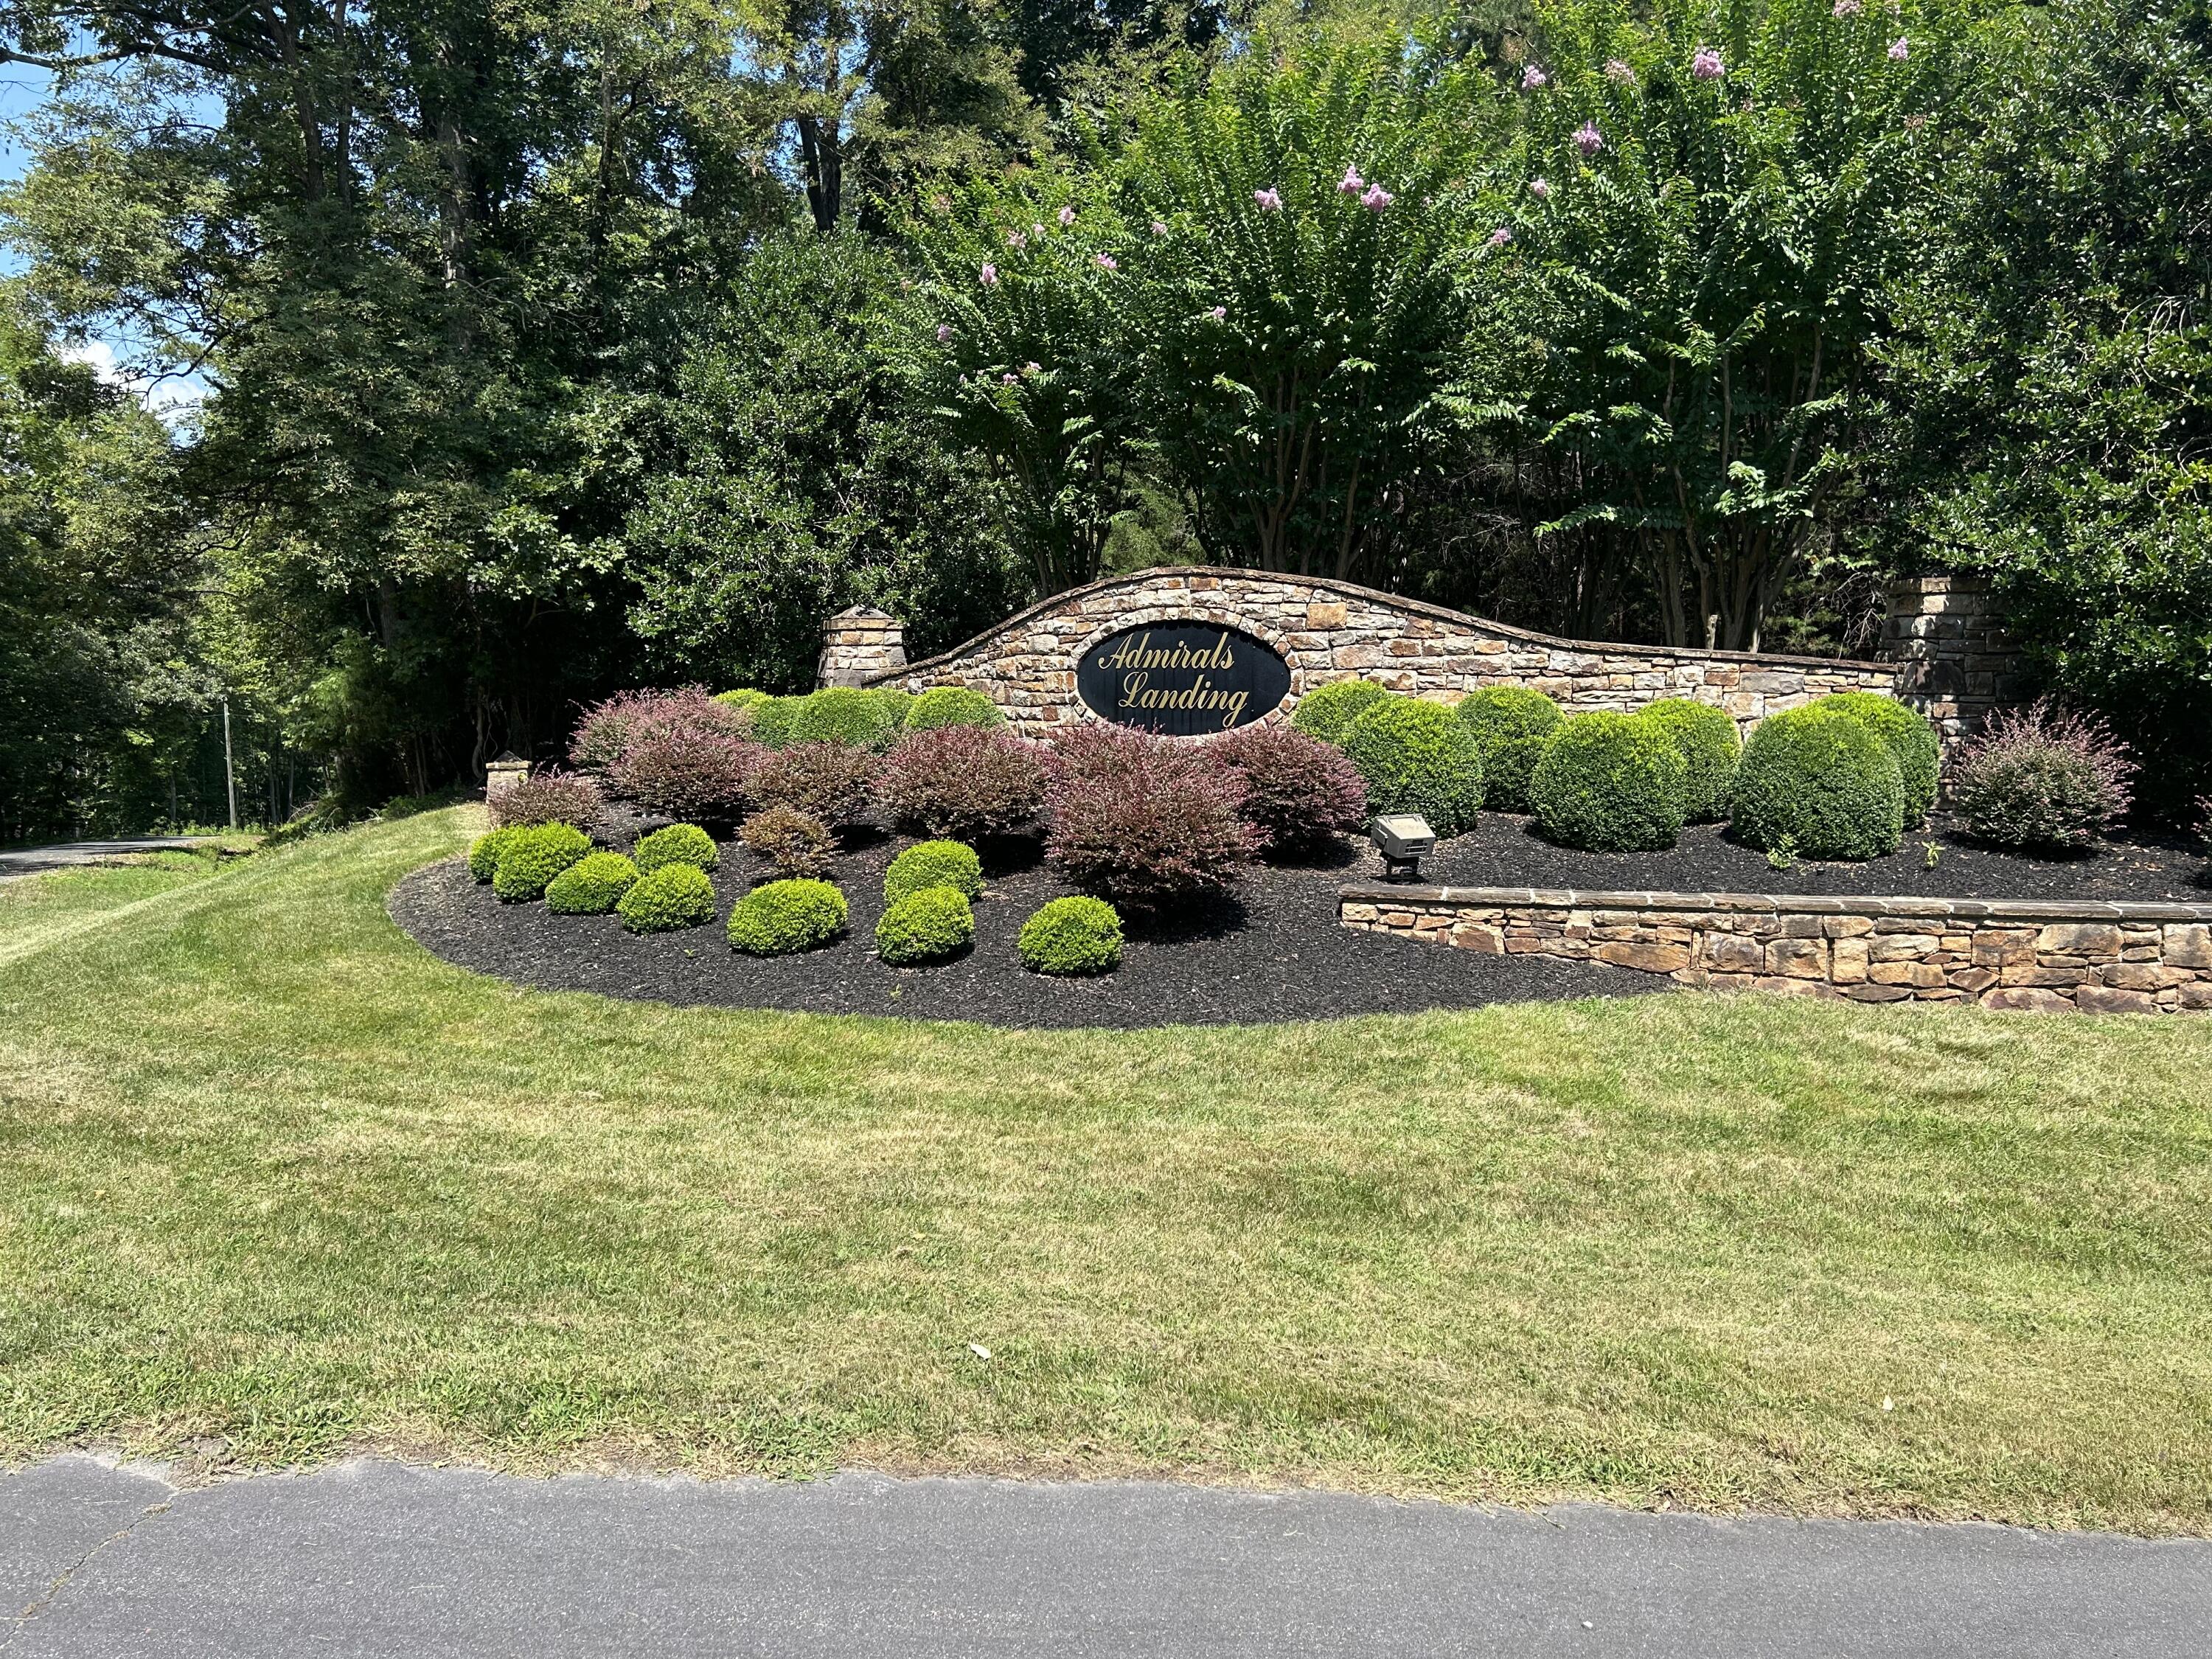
(503, 774)
(1956, 662)
(858, 643)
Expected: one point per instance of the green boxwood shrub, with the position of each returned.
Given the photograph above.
(934, 864)
(842, 713)
(484, 851)
(592, 886)
(784, 916)
(1418, 757)
(1511, 723)
(924, 926)
(953, 705)
(661, 901)
(1818, 783)
(1612, 783)
(1711, 749)
(531, 858)
(772, 720)
(896, 703)
(1326, 712)
(678, 843)
(744, 697)
(1911, 738)
(1072, 936)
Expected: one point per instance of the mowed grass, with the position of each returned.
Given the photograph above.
(275, 1181)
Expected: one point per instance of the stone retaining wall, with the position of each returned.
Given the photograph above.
(2002, 953)
(1330, 630)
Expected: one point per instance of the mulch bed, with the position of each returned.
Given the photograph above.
(1278, 953)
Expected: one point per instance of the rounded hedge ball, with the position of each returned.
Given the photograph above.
(953, 705)
(1326, 712)
(841, 714)
(1611, 783)
(678, 843)
(1418, 757)
(895, 702)
(1818, 783)
(661, 901)
(1072, 936)
(772, 721)
(592, 886)
(784, 916)
(1511, 723)
(744, 697)
(1711, 749)
(1911, 738)
(484, 851)
(926, 926)
(531, 858)
(934, 864)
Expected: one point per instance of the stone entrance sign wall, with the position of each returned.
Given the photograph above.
(1326, 630)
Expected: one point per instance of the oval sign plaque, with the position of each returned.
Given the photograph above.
(1181, 679)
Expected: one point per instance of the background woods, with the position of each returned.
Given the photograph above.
(553, 349)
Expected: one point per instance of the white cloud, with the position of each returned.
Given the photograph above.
(171, 398)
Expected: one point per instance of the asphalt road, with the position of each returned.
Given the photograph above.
(35, 860)
(373, 1558)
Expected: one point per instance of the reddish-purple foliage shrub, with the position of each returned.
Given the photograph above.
(1146, 821)
(2043, 779)
(961, 782)
(553, 796)
(830, 781)
(688, 772)
(1300, 793)
(606, 730)
(797, 843)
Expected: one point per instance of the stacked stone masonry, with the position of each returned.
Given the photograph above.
(1955, 660)
(860, 645)
(1330, 630)
(2106, 958)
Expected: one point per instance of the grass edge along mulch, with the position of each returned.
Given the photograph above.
(275, 1184)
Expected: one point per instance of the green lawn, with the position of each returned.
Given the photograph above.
(272, 1178)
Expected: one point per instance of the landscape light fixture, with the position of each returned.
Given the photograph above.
(1402, 838)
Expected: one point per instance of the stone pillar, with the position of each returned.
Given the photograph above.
(503, 774)
(1956, 662)
(857, 643)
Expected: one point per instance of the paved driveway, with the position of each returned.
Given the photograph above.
(381, 1558)
(33, 860)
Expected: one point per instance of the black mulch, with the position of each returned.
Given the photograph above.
(1507, 852)
(1279, 954)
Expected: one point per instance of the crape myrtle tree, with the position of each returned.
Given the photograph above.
(2054, 356)
(1687, 265)
(1255, 298)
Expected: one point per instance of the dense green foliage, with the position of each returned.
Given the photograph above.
(1710, 750)
(675, 895)
(1816, 783)
(845, 714)
(1511, 723)
(676, 843)
(1911, 738)
(484, 851)
(553, 352)
(1077, 935)
(592, 886)
(1418, 757)
(780, 917)
(934, 864)
(530, 859)
(953, 705)
(926, 926)
(1326, 712)
(1613, 783)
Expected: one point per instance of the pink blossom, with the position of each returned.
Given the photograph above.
(943, 333)
(1005, 380)
(1539, 188)
(1351, 184)
(1037, 231)
(1270, 201)
(1159, 227)
(1108, 262)
(1016, 240)
(1066, 217)
(1219, 314)
(1619, 72)
(990, 276)
(1032, 368)
(1899, 50)
(1500, 237)
(1532, 77)
(1377, 199)
(1589, 139)
(1848, 7)
(1706, 65)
